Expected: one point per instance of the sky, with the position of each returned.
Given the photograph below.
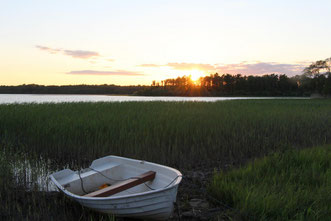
(130, 42)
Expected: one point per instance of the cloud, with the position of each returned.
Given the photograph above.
(50, 50)
(150, 65)
(183, 66)
(262, 68)
(191, 66)
(81, 53)
(244, 68)
(93, 72)
(73, 53)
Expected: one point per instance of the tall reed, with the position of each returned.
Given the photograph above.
(182, 134)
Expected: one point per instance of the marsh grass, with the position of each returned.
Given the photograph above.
(185, 135)
(21, 197)
(294, 185)
(182, 134)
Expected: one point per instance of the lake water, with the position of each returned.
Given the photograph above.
(46, 98)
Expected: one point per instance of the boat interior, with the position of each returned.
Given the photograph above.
(113, 176)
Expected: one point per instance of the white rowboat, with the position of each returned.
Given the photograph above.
(132, 196)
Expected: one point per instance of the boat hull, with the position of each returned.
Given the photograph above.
(157, 206)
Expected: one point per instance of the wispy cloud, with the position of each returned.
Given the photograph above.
(94, 72)
(150, 65)
(50, 50)
(183, 66)
(262, 68)
(244, 68)
(191, 66)
(81, 53)
(73, 53)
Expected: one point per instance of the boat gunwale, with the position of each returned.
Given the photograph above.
(175, 184)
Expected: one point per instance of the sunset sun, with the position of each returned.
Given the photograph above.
(196, 74)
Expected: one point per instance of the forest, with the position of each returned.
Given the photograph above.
(315, 79)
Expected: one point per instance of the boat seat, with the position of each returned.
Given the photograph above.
(70, 176)
(123, 185)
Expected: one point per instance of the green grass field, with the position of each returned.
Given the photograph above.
(294, 185)
(188, 136)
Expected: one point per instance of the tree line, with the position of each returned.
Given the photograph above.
(315, 79)
(71, 89)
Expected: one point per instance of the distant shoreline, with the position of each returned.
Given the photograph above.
(113, 90)
(135, 95)
(148, 91)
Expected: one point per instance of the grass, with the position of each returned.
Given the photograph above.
(185, 135)
(20, 198)
(294, 185)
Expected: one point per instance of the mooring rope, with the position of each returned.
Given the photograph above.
(81, 182)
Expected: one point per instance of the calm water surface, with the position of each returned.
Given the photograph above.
(46, 98)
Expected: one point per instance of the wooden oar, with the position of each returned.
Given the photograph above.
(123, 185)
